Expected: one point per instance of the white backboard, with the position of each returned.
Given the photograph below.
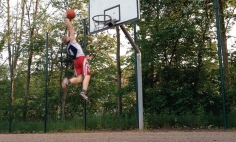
(122, 11)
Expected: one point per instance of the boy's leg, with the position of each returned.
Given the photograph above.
(85, 87)
(77, 80)
(86, 82)
(86, 73)
(65, 83)
(74, 80)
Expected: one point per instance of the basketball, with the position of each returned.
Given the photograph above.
(70, 13)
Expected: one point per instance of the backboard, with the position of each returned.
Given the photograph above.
(116, 12)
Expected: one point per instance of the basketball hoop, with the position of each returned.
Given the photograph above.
(102, 21)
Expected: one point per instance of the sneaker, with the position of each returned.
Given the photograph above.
(84, 96)
(65, 83)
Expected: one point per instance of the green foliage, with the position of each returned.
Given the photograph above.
(179, 68)
(5, 93)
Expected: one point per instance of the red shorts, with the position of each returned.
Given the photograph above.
(81, 66)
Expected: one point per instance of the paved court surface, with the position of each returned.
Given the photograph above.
(125, 136)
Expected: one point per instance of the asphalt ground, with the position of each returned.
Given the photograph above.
(125, 136)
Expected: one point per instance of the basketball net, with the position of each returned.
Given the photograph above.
(101, 21)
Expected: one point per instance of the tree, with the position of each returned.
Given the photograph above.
(179, 61)
(222, 7)
(118, 70)
(175, 44)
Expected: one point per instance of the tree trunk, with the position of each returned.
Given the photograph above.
(118, 71)
(224, 43)
(9, 47)
(62, 94)
(32, 28)
(63, 104)
(19, 38)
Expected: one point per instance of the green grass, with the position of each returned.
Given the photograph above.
(122, 122)
(101, 122)
(232, 119)
(111, 122)
(153, 121)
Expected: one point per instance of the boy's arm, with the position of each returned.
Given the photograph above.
(71, 30)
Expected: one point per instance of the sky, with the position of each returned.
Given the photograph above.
(231, 42)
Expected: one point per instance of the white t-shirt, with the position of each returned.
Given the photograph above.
(74, 49)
